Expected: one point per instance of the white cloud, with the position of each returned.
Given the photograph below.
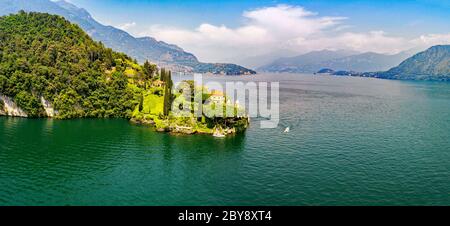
(373, 41)
(432, 39)
(126, 26)
(283, 27)
(265, 30)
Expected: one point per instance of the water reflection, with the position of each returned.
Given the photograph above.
(352, 142)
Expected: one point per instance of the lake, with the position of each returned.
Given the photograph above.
(353, 141)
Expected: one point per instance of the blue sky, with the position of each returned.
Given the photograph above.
(428, 16)
(385, 22)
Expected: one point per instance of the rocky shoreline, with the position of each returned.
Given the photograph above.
(185, 130)
(9, 108)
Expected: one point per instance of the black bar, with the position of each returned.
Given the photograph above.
(225, 215)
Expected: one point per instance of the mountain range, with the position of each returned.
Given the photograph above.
(431, 64)
(145, 48)
(337, 60)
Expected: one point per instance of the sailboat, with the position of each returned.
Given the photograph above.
(287, 130)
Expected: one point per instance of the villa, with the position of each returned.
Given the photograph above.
(217, 96)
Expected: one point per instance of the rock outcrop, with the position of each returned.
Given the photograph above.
(10, 108)
(49, 110)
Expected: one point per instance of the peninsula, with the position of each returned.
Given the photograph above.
(52, 68)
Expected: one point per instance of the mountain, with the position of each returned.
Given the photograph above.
(259, 60)
(146, 48)
(305, 63)
(50, 67)
(431, 64)
(326, 71)
(366, 62)
(337, 60)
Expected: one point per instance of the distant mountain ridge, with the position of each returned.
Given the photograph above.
(161, 53)
(336, 60)
(431, 64)
(304, 63)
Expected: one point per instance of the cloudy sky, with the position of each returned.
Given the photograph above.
(239, 31)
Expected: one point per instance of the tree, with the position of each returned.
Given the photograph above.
(166, 77)
(149, 70)
(46, 56)
(141, 102)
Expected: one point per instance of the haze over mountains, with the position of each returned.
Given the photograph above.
(337, 60)
(176, 59)
(304, 63)
(432, 64)
(164, 54)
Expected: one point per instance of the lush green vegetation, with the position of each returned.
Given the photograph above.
(219, 68)
(156, 109)
(45, 57)
(42, 55)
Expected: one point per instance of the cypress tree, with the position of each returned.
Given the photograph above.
(163, 75)
(166, 77)
(141, 102)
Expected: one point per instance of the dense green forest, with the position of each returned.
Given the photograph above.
(45, 56)
(45, 60)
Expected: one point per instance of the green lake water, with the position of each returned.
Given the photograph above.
(353, 141)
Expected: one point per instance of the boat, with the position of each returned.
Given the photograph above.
(287, 130)
(218, 132)
(219, 135)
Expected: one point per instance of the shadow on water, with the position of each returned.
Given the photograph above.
(58, 149)
(353, 141)
(89, 160)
